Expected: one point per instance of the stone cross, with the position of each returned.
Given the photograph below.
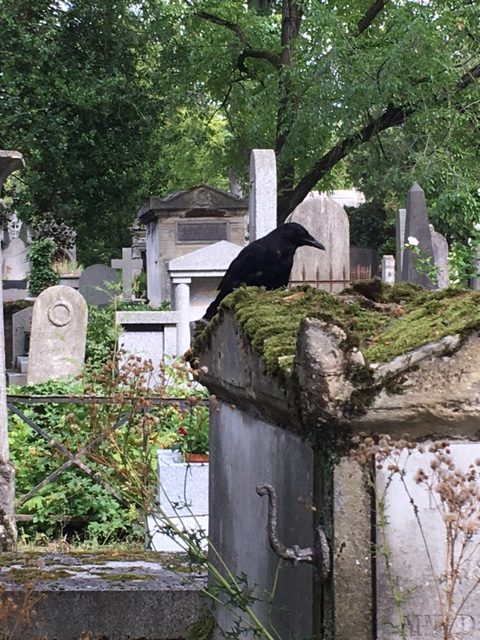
(327, 221)
(9, 161)
(58, 337)
(416, 225)
(262, 204)
(131, 267)
(388, 269)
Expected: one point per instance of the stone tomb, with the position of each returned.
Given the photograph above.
(183, 496)
(150, 335)
(58, 338)
(183, 222)
(327, 221)
(97, 285)
(418, 553)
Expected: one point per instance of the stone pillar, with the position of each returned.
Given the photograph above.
(181, 296)
(9, 161)
(400, 242)
(388, 269)
(262, 204)
(155, 290)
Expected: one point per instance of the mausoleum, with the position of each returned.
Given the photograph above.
(183, 222)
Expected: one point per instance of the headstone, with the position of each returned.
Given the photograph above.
(21, 324)
(58, 337)
(131, 267)
(262, 206)
(328, 223)
(400, 242)
(440, 256)
(388, 269)
(415, 571)
(417, 226)
(97, 285)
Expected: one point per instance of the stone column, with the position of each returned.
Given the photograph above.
(9, 161)
(388, 269)
(181, 297)
(262, 203)
(400, 242)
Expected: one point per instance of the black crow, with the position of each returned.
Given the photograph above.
(266, 262)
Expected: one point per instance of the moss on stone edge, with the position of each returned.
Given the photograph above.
(383, 321)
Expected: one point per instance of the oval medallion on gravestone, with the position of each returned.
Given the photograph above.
(98, 285)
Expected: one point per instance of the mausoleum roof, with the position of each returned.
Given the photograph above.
(215, 257)
(199, 201)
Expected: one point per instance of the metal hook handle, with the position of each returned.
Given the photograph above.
(318, 554)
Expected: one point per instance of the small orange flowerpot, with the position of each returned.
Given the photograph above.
(196, 457)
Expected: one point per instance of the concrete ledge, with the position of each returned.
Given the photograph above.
(86, 596)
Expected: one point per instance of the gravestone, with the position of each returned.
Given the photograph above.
(58, 337)
(417, 226)
(388, 269)
(440, 256)
(262, 204)
(328, 223)
(97, 285)
(131, 267)
(21, 324)
(415, 571)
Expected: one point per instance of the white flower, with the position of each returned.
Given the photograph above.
(478, 192)
(476, 226)
(412, 241)
(469, 242)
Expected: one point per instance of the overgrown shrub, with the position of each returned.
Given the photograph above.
(42, 274)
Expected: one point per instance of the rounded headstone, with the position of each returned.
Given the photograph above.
(58, 335)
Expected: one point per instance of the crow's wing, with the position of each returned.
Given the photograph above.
(247, 268)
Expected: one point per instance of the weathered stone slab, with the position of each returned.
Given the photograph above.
(94, 597)
(327, 221)
(97, 285)
(262, 208)
(58, 337)
(418, 553)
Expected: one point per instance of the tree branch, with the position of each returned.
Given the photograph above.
(391, 117)
(260, 54)
(372, 12)
(237, 29)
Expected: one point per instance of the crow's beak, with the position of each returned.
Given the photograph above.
(311, 242)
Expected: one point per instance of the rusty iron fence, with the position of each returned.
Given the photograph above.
(79, 459)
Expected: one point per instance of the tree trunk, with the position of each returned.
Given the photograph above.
(291, 21)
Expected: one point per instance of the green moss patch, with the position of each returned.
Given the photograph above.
(383, 321)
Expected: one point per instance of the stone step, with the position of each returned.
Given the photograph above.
(15, 378)
(22, 364)
(84, 596)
